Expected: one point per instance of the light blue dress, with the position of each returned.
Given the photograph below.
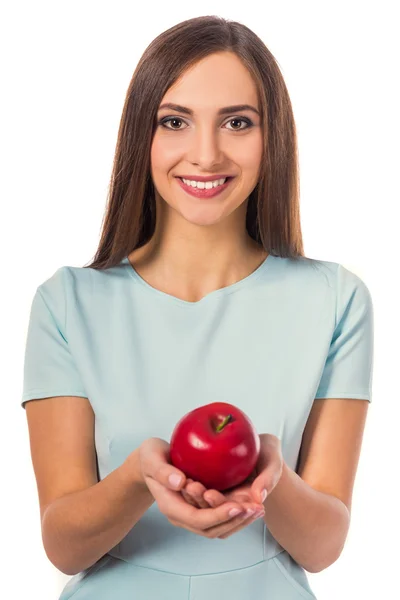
(270, 344)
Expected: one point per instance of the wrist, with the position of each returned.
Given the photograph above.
(131, 471)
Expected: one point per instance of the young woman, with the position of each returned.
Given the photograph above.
(198, 294)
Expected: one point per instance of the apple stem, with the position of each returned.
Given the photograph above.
(224, 422)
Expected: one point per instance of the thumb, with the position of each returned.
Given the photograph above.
(259, 490)
(175, 479)
(172, 477)
(157, 457)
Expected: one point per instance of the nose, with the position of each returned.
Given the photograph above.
(206, 148)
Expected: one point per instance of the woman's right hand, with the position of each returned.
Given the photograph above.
(156, 468)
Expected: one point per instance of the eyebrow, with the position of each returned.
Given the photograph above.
(222, 111)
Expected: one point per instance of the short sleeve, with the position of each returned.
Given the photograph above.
(348, 369)
(49, 369)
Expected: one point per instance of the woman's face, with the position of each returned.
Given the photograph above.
(208, 143)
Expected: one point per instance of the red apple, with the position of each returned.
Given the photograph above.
(215, 444)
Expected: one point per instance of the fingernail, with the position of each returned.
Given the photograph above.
(234, 511)
(263, 495)
(175, 480)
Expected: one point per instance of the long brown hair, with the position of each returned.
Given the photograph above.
(273, 212)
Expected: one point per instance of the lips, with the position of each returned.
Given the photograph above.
(203, 192)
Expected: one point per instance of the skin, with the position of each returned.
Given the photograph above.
(202, 245)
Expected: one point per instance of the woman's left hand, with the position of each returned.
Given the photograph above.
(265, 475)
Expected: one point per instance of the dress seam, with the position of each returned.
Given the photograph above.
(295, 584)
(199, 574)
(342, 395)
(91, 571)
(50, 393)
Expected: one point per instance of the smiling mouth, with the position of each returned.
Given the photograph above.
(212, 181)
(204, 192)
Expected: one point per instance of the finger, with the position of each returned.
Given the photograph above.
(196, 490)
(216, 530)
(189, 498)
(179, 512)
(223, 518)
(249, 510)
(244, 523)
(270, 478)
(171, 478)
(226, 529)
(203, 519)
(155, 460)
(214, 497)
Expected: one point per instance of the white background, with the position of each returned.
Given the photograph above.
(66, 67)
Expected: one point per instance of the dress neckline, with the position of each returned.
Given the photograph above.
(229, 289)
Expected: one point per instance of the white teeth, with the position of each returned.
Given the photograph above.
(204, 184)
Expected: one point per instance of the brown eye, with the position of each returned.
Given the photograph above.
(170, 119)
(241, 119)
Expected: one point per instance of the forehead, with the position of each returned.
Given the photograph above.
(217, 80)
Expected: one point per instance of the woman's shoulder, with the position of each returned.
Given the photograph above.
(68, 277)
(330, 272)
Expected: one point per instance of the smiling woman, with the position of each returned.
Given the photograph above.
(199, 292)
(211, 106)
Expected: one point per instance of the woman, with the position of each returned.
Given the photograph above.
(198, 295)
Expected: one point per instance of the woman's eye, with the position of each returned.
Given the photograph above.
(247, 121)
(163, 122)
(169, 119)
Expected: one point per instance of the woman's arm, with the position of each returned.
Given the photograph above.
(309, 513)
(79, 528)
(82, 518)
(311, 525)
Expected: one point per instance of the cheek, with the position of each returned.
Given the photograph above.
(165, 152)
(248, 155)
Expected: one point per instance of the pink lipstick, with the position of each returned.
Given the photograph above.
(204, 193)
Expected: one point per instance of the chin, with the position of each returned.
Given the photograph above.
(202, 219)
